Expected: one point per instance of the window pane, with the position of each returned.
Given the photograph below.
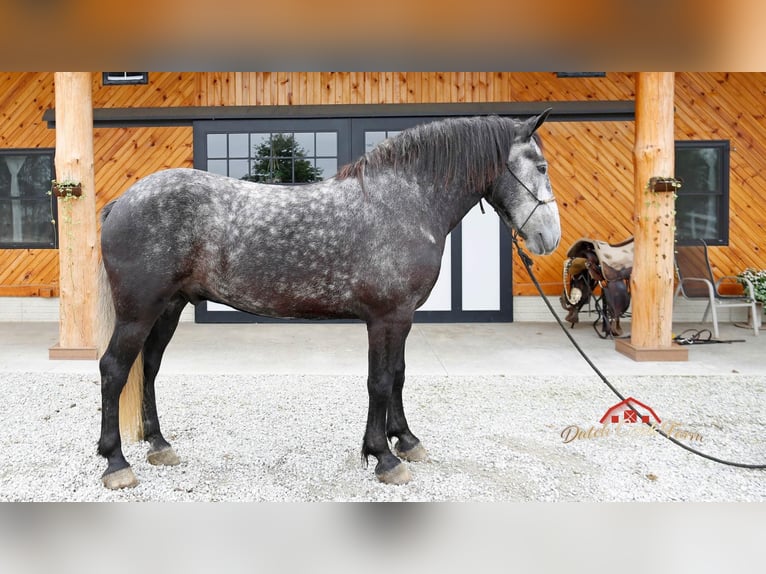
(238, 167)
(699, 169)
(371, 139)
(327, 167)
(327, 144)
(259, 143)
(280, 140)
(216, 145)
(217, 166)
(697, 217)
(238, 145)
(305, 143)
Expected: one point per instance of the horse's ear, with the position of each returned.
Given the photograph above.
(531, 125)
(540, 119)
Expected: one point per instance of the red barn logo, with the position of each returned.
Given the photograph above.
(629, 411)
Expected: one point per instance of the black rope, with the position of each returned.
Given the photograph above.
(701, 337)
(527, 260)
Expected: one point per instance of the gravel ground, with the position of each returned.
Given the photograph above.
(297, 438)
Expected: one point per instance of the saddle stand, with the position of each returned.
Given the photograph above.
(593, 264)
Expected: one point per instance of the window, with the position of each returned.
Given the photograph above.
(581, 74)
(702, 207)
(274, 157)
(124, 78)
(27, 210)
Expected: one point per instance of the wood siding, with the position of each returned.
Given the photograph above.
(591, 162)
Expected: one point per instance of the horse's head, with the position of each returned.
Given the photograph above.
(522, 195)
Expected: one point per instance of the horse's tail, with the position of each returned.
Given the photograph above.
(131, 399)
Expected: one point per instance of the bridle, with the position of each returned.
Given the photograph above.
(538, 201)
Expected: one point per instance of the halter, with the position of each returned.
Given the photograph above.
(538, 201)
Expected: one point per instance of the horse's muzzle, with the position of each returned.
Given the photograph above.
(542, 243)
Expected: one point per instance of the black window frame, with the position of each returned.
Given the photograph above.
(126, 79)
(722, 192)
(52, 214)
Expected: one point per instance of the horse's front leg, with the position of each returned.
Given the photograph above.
(386, 354)
(408, 446)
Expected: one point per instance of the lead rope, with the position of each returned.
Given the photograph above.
(527, 260)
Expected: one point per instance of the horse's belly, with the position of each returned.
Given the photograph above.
(290, 301)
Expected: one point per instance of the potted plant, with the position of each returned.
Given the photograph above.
(758, 279)
(66, 188)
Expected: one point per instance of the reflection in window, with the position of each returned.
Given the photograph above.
(26, 208)
(702, 206)
(282, 160)
(274, 157)
(373, 138)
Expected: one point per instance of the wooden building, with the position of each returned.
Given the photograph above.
(200, 119)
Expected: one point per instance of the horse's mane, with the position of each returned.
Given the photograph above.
(469, 152)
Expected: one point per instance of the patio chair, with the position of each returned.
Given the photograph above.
(696, 282)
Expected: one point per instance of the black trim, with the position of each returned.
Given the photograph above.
(613, 110)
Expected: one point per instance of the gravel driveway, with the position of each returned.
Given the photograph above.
(298, 438)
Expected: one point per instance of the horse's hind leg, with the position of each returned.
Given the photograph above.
(386, 354)
(408, 446)
(160, 451)
(123, 349)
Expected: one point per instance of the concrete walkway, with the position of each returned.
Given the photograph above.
(432, 349)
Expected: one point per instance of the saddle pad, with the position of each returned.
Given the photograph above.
(616, 260)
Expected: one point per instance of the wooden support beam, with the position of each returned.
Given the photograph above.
(78, 250)
(654, 224)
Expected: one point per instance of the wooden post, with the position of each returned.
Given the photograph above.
(76, 222)
(654, 224)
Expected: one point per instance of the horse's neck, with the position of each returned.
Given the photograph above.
(455, 202)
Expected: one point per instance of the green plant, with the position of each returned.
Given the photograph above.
(758, 279)
(66, 189)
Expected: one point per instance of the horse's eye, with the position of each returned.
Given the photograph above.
(542, 168)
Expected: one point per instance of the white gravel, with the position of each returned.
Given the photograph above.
(298, 438)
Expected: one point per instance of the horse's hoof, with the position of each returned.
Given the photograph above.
(123, 478)
(163, 457)
(416, 454)
(400, 474)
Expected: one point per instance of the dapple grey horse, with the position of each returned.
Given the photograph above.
(366, 244)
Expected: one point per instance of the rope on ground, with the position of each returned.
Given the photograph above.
(527, 260)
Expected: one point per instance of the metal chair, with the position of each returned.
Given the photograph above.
(696, 282)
